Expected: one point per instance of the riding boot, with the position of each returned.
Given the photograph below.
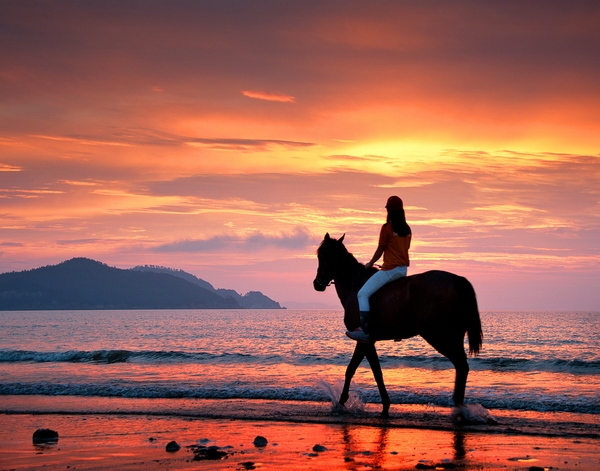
(364, 321)
(361, 334)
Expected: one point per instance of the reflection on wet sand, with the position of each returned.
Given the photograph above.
(365, 445)
(370, 446)
(460, 452)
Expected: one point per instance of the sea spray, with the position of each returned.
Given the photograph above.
(334, 391)
(472, 414)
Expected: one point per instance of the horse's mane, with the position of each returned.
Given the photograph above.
(338, 250)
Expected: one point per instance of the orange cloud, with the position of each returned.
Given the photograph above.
(10, 168)
(269, 96)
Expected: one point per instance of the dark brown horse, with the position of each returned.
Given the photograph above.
(439, 306)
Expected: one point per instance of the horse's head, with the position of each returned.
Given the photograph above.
(327, 254)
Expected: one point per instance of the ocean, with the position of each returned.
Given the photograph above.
(264, 361)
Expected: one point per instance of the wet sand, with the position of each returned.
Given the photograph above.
(132, 441)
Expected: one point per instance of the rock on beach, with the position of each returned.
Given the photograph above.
(260, 441)
(173, 446)
(45, 435)
(202, 452)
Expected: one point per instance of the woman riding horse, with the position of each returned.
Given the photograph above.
(439, 306)
(394, 242)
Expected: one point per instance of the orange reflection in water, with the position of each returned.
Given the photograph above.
(382, 447)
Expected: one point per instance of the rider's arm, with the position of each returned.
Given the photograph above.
(376, 256)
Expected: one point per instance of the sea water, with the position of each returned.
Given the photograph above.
(530, 361)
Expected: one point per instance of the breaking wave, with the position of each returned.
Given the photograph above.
(580, 367)
(491, 399)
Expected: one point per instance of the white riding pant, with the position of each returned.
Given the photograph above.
(382, 277)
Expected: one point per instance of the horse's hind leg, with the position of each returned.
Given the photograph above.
(452, 348)
(357, 357)
(456, 354)
(459, 360)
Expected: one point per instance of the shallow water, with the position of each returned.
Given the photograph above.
(531, 361)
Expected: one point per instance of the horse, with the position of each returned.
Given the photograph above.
(437, 305)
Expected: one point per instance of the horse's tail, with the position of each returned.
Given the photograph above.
(471, 312)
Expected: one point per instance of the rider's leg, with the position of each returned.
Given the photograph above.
(371, 286)
(376, 281)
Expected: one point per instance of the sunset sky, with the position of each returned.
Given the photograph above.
(225, 138)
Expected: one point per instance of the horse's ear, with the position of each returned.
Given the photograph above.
(342, 238)
(327, 236)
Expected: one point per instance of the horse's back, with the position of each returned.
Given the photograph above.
(431, 304)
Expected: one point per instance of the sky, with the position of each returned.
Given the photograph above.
(225, 138)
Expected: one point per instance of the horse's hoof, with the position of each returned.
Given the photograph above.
(384, 415)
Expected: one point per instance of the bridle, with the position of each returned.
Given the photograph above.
(323, 280)
(319, 283)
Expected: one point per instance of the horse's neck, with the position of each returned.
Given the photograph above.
(348, 280)
(345, 293)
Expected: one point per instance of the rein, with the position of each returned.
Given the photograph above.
(353, 281)
(322, 283)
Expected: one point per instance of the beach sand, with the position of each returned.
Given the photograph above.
(414, 438)
(137, 442)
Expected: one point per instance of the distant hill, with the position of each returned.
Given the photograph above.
(81, 283)
(250, 300)
(178, 273)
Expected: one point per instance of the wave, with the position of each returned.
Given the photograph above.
(430, 362)
(115, 356)
(489, 398)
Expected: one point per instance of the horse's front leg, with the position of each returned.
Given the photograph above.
(357, 357)
(373, 359)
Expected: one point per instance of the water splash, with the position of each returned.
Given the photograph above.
(473, 414)
(333, 391)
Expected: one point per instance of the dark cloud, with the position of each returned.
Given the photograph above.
(11, 244)
(148, 137)
(78, 241)
(300, 238)
(358, 158)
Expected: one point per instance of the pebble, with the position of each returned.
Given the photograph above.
(173, 446)
(45, 435)
(260, 441)
(213, 452)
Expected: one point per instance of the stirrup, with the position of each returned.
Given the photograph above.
(359, 335)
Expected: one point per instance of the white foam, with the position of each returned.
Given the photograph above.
(334, 391)
(473, 414)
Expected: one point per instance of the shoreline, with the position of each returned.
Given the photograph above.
(426, 417)
(124, 441)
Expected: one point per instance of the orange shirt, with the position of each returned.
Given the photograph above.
(395, 253)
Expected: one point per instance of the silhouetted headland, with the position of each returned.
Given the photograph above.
(82, 283)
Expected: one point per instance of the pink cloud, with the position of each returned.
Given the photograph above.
(269, 96)
(300, 238)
